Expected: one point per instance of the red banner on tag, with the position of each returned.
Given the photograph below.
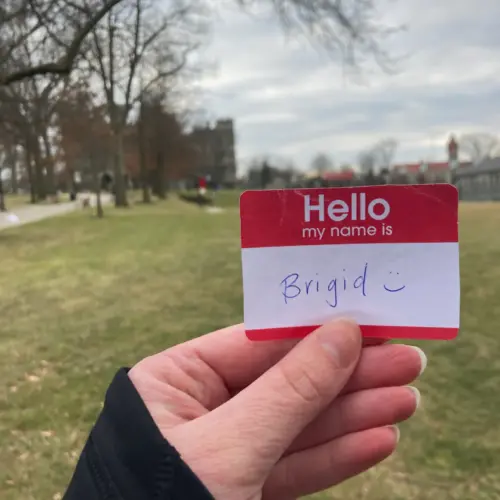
(377, 214)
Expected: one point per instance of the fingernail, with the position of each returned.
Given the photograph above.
(416, 393)
(423, 359)
(341, 339)
(397, 432)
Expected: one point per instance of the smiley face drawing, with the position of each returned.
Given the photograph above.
(393, 289)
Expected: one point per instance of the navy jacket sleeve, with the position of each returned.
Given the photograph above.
(127, 458)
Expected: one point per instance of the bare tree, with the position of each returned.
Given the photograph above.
(29, 103)
(367, 161)
(479, 146)
(322, 163)
(379, 156)
(84, 142)
(138, 47)
(141, 146)
(8, 152)
(28, 112)
(62, 25)
(17, 128)
(384, 152)
(349, 28)
(3, 164)
(163, 147)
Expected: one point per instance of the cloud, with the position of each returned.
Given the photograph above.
(289, 99)
(268, 118)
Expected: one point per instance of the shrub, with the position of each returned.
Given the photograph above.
(197, 198)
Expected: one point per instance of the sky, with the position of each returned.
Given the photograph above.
(291, 101)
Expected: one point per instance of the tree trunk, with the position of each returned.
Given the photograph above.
(100, 211)
(29, 169)
(2, 195)
(49, 164)
(12, 161)
(69, 179)
(119, 174)
(13, 176)
(160, 177)
(146, 195)
(39, 176)
(97, 187)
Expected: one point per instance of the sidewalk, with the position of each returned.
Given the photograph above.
(33, 213)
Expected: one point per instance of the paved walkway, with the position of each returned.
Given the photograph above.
(33, 213)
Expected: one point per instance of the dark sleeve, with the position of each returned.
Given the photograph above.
(127, 458)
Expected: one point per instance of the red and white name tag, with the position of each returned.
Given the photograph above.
(385, 256)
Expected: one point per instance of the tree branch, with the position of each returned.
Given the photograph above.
(7, 17)
(65, 63)
(164, 75)
(134, 56)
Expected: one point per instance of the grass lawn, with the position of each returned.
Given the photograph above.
(81, 297)
(227, 198)
(13, 201)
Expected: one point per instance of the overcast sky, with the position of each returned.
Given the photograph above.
(291, 100)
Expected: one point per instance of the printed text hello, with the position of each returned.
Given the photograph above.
(358, 209)
(339, 210)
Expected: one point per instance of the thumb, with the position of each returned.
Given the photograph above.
(293, 392)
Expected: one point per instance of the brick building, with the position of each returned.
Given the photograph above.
(421, 172)
(215, 155)
(429, 172)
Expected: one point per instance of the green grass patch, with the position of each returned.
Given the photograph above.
(13, 201)
(80, 297)
(227, 198)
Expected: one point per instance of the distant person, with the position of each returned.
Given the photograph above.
(223, 417)
(202, 192)
(202, 186)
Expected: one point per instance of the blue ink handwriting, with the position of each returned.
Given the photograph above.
(391, 289)
(294, 285)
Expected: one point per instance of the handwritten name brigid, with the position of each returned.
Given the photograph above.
(294, 286)
(340, 211)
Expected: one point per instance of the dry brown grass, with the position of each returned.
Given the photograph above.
(80, 297)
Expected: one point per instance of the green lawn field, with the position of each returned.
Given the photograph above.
(12, 201)
(80, 297)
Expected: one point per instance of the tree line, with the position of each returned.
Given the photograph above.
(109, 106)
(374, 165)
(94, 85)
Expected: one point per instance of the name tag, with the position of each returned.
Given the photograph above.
(385, 256)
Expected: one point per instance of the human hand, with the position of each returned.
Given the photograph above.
(279, 419)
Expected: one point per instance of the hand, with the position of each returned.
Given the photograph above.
(280, 419)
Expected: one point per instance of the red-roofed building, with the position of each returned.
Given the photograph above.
(334, 178)
(427, 172)
(423, 172)
(339, 179)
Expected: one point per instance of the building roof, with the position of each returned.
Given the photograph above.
(345, 175)
(488, 165)
(415, 168)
